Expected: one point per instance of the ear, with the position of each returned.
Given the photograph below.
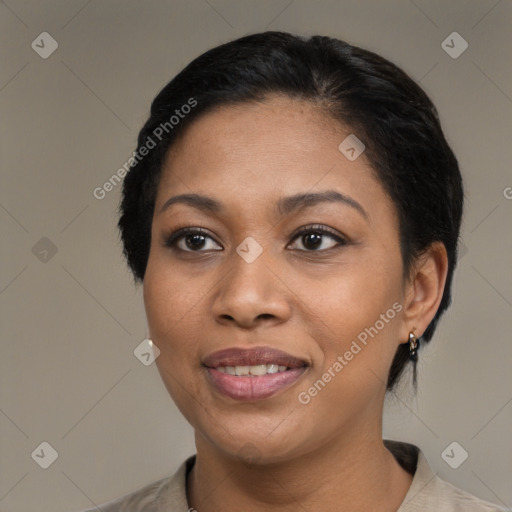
(424, 290)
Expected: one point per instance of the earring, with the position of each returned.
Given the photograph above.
(414, 344)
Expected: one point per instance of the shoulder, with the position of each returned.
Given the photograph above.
(445, 496)
(429, 492)
(167, 494)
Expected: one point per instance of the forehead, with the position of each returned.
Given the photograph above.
(250, 155)
(281, 139)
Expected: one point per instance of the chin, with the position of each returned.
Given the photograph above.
(256, 445)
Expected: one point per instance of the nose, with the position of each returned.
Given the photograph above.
(251, 294)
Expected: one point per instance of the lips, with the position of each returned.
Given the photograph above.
(252, 357)
(231, 372)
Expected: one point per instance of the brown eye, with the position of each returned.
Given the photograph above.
(194, 240)
(313, 237)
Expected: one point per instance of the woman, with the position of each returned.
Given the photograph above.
(293, 211)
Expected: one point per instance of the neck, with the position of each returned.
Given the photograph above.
(350, 473)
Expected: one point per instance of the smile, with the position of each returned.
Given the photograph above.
(253, 371)
(252, 374)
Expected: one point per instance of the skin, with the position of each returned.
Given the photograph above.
(311, 301)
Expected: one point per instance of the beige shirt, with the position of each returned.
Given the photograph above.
(428, 493)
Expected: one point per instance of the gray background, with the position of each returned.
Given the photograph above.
(71, 320)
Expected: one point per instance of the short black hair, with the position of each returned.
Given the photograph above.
(389, 112)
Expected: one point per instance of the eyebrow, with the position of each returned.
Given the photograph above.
(285, 205)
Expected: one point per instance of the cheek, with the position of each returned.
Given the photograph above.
(356, 297)
(172, 327)
(356, 334)
(358, 316)
(168, 310)
(168, 298)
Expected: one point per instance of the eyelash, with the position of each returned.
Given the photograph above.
(175, 237)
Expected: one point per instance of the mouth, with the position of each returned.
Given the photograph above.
(252, 374)
(256, 370)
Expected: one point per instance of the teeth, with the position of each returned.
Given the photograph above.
(250, 371)
(272, 368)
(260, 369)
(242, 370)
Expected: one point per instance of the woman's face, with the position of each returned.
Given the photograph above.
(248, 285)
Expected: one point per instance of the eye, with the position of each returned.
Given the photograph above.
(312, 237)
(194, 239)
